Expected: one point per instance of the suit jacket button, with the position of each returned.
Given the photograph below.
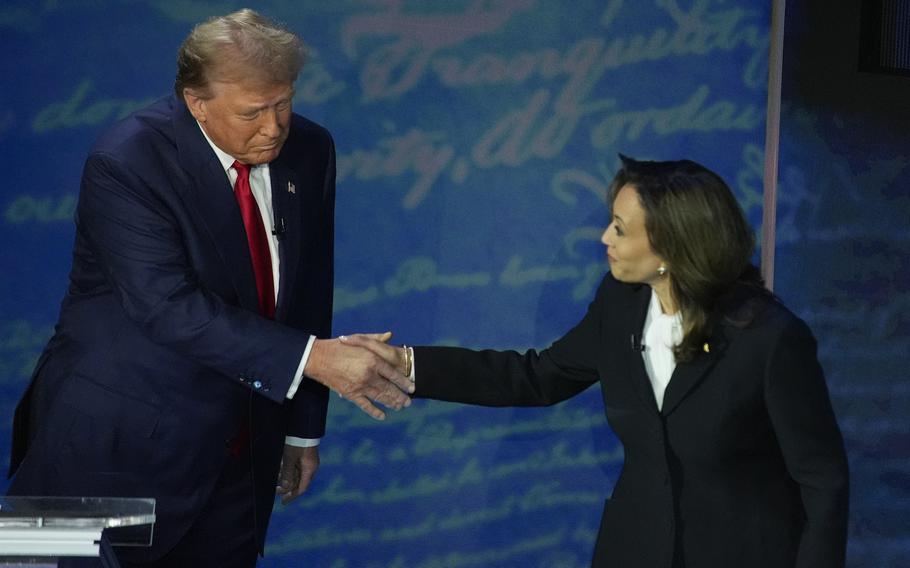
(257, 384)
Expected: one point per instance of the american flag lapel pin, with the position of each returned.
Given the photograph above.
(292, 188)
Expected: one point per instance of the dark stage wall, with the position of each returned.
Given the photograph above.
(843, 255)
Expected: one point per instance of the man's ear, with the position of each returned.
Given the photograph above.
(195, 103)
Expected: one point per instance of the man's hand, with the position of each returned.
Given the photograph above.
(378, 344)
(359, 375)
(298, 466)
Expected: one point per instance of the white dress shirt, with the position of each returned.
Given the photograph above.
(661, 333)
(261, 186)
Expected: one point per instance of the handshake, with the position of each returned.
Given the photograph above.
(364, 369)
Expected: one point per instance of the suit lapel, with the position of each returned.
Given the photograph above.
(689, 375)
(212, 198)
(297, 192)
(633, 336)
(287, 196)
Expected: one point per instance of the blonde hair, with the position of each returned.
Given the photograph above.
(244, 39)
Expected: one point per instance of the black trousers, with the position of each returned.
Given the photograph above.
(223, 536)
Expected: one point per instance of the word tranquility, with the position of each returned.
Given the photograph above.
(543, 125)
(541, 122)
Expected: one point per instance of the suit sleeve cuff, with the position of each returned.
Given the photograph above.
(298, 376)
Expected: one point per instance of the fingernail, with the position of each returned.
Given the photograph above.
(342, 337)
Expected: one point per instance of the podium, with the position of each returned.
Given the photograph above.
(37, 531)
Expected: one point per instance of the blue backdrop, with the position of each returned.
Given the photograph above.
(475, 142)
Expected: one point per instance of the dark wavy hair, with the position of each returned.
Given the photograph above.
(695, 224)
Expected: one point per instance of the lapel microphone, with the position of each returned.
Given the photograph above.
(280, 228)
(635, 344)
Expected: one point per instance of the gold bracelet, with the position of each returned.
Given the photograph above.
(407, 361)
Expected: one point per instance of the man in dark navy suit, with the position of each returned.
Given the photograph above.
(191, 362)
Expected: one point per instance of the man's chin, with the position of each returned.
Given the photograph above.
(262, 156)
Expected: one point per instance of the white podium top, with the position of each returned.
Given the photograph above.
(71, 526)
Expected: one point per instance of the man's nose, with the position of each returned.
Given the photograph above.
(271, 124)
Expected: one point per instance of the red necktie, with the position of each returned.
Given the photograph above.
(257, 238)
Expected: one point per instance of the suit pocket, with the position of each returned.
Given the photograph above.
(107, 406)
(100, 430)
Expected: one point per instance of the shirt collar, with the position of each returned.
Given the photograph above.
(227, 161)
(655, 311)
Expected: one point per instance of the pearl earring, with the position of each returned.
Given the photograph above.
(661, 270)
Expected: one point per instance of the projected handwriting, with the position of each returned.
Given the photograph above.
(415, 420)
(28, 209)
(442, 437)
(695, 114)
(86, 107)
(564, 183)
(540, 497)
(396, 67)
(539, 129)
(470, 474)
(542, 126)
(515, 274)
(77, 110)
(316, 85)
(749, 180)
(400, 64)
(20, 344)
(422, 274)
(424, 154)
(863, 328)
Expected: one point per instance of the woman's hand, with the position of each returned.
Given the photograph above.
(378, 344)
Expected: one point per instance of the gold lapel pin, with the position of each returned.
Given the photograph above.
(292, 188)
(706, 348)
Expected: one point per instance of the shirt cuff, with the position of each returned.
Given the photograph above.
(298, 376)
(413, 375)
(301, 442)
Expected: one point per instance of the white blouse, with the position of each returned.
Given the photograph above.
(661, 333)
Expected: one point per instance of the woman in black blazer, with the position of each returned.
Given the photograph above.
(733, 456)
